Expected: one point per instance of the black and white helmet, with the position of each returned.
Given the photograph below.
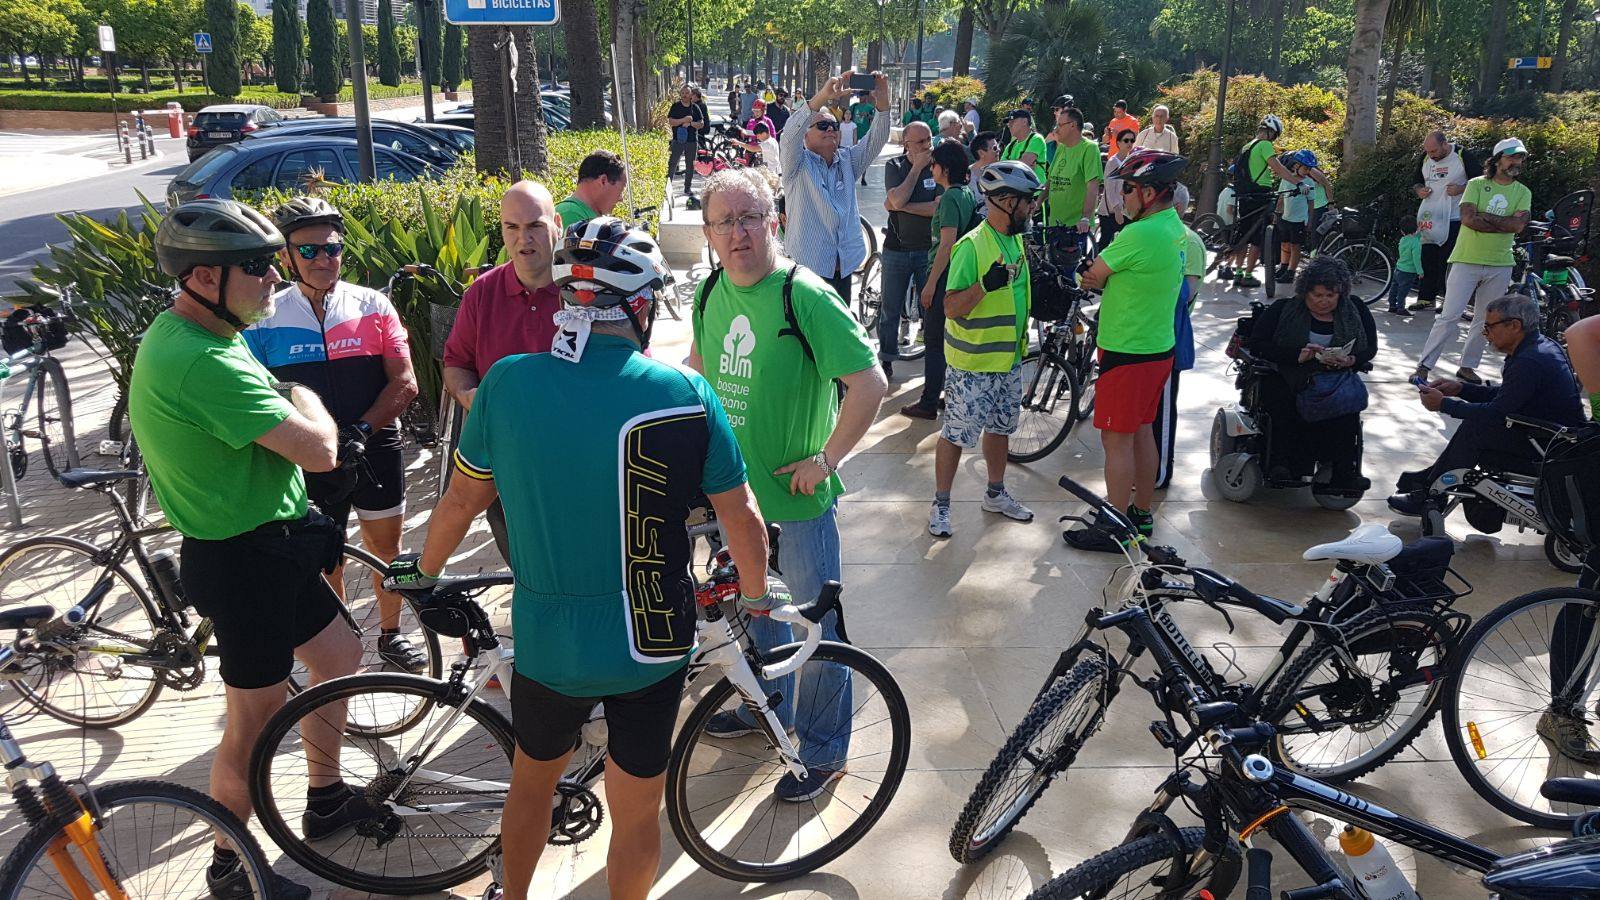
(603, 263)
(1009, 178)
(1273, 124)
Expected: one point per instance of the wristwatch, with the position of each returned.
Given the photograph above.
(364, 428)
(820, 460)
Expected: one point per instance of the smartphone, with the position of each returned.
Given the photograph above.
(1418, 380)
(863, 81)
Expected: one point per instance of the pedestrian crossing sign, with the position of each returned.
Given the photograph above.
(202, 42)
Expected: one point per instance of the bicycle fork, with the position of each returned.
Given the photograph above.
(721, 649)
(77, 823)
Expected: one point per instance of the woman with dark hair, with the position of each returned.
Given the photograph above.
(1110, 207)
(955, 215)
(1319, 329)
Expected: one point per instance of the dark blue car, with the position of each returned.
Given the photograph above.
(284, 162)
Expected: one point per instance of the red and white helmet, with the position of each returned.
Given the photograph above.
(1153, 168)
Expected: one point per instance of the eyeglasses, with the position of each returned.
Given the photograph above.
(826, 125)
(1488, 325)
(749, 223)
(256, 268)
(308, 252)
(1126, 140)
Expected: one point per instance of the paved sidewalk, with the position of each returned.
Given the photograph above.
(969, 626)
(29, 161)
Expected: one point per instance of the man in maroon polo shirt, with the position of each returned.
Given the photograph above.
(510, 309)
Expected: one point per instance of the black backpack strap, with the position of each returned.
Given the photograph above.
(789, 317)
(705, 292)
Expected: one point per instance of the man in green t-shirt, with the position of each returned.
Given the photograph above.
(1255, 171)
(1026, 145)
(1494, 210)
(772, 337)
(987, 298)
(224, 444)
(1140, 275)
(601, 180)
(1072, 176)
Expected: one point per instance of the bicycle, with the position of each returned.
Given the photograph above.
(437, 786)
(1226, 241)
(29, 337)
(114, 643)
(111, 840)
(1059, 377)
(1359, 691)
(1541, 272)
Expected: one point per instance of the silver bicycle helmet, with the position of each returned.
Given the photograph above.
(303, 211)
(1272, 124)
(1009, 178)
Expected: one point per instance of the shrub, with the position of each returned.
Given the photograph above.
(952, 93)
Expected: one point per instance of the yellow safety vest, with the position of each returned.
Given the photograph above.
(992, 337)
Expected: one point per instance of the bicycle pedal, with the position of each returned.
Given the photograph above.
(110, 448)
(1164, 734)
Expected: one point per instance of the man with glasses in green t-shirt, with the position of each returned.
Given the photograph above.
(772, 337)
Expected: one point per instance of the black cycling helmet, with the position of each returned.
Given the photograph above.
(303, 211)
(1064, 101)
(213, 233)
(1151, 168)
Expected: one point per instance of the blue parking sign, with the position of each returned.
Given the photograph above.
(202, 42)
(502, 12)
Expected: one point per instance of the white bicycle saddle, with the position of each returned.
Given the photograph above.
(1370, 543)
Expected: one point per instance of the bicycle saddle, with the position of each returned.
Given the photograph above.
(26, 617)
(82, 478)
(1554, 261)
(1370, 543)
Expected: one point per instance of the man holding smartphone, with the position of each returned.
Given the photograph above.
(819, 181)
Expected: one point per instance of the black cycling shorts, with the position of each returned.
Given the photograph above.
(264, 593)
(378, 495)
(1291, 233)
(1256, 224)
(639, 724)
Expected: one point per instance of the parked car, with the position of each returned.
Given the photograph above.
(228, 123)
(401, 136)
(284, 162)
(464, 140)
(462, 117)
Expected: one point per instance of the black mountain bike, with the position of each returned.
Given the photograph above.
(1352, 685)
(1059, 375)
(1351, 235)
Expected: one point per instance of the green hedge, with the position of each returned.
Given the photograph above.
(192, 99)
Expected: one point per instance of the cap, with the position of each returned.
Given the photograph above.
(1019, 114)
(1510, 147)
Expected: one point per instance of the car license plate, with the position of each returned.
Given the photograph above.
(219, 134)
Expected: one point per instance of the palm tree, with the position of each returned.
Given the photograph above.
(1064, 46)
(485, 54)
(1407, 19)
(588, 81)
(1361, 78)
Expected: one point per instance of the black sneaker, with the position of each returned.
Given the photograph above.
(353, 808)
(1284, 275)
(888, 369)
(1246, 282)
(1092, 538)
(1225, 273)
(233, 883)
(400, 653)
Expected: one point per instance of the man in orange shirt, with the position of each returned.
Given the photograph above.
(1119, 120)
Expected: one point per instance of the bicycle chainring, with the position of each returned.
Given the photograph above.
(180, 665)
(577, 814)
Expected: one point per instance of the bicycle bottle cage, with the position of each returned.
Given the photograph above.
(50, 328)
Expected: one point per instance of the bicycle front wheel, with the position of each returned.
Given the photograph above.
(1344, 708)
(54, 408)
(155, 838)
(82, 677)
(433, 792)
(869, 295)
(1139, 870)
(1045, 744)
(1049, 408)
(1371, 270)
(720, 797)
(1522, 702)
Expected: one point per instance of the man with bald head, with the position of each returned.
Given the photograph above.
(511, 308)
(1444, 179)
(912, 198)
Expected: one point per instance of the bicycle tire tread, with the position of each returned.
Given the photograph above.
(1104, 869)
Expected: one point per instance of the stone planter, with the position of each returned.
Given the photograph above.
(452, 95)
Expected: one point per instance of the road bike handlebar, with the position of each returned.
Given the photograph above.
(809, 618)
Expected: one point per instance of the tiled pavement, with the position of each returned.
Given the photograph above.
(968, 626)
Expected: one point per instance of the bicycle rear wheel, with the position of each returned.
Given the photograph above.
(1495, 707)
(1049, 408)
(869, 295)
(1142, 869)
(435, 790)
(720, 798)
(1342, 709)
(1212, 231)
(870, 235)
(155, 837)
(1371, 270)
(54, 409)
(64, 677)
(1045, 744)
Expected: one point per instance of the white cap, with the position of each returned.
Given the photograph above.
(1510, 147)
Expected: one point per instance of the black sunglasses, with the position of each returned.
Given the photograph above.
(826, 125)
(308, 252)
(256, 268)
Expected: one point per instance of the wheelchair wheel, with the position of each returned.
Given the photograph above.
(1237, 476)
(1335, 501)
(1222, 443)
(1562, 555)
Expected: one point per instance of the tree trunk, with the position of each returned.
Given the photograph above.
(1558, 66)
(489, 115)
(22, 60)
(530, 112)
(847, 53)
(622, 44)
(772, 53)
(144, 74)
(1361, 78)
(1275, 64)
(1394, 81)
(1494, 50)
(963, 53)
(581, 24)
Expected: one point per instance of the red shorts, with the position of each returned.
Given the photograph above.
(1128, 394)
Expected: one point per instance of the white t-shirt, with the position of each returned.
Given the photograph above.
(1167, 140)
(972, 119)
(769, 155)
(1225, 202)
(1438, 174)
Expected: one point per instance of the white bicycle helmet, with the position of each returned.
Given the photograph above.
(607, 272)
(1009, 178)
(1272, 124)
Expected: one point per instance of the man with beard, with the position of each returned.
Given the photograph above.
(1444, 177)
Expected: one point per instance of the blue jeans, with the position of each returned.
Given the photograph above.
(1403, 283)
(902, 270)
(808, 555)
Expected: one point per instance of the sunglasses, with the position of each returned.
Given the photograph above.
(256, 268)
(308, 252)
(826, 125)
(1127, 140)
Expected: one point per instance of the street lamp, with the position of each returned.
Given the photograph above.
(1212, 185)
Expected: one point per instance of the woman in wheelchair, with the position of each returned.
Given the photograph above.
(1536, 382)
(1320, 329)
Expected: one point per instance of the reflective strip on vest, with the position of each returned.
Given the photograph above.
(990, 337)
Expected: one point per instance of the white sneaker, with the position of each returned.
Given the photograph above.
(1006, 505)
(939, 521)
